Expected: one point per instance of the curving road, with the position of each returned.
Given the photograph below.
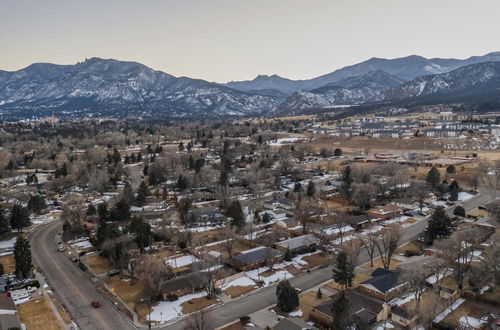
(71, 285)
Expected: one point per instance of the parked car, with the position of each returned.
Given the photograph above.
(95, 304)
(113, 272)
(482, 207)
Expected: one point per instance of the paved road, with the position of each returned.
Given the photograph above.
(76, 291)
(71, 285)
(254, 302)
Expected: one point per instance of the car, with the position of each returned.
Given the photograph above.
(298, 290)
(95, 304)
(482, 207)
(408, 214)
(60, 248)
(113, 272)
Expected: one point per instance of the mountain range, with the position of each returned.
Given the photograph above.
(106, 87)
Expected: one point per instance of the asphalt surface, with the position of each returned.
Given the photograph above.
(72, 286)
(76, 291)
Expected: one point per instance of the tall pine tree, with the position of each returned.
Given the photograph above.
(22, 257)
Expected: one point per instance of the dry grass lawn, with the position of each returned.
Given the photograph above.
(60, 309)
(468, 308)
(494, 294)
(37, 314)
(8, 263)
(409, 247)
(97, 264)
(236, 291)
(377, 263)
(358, 278)
(131, 291)
(197, 304)
(308, 300)
(316, 259)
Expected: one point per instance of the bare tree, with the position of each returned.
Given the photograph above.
(228, 240)
(199, 320)
(369, 243)
(73, 211)
(363, 194)
(152, 271)
(457, 251)
(305, 208)
(388, 243)
(415, 276)
(419, 191)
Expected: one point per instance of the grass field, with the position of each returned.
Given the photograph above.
(38, 315)
(236, 291)
(358, 278)
(97, 264)
(377, 263)
(131, 291)
(196, 304)
(60, 310)
(308, 300)
(316, 259)
(8, 263)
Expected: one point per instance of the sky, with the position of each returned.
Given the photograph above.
(224, 40)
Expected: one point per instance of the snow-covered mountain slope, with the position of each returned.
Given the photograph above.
(350, 91)
(473, 79)
(405, 68)
(98, 83)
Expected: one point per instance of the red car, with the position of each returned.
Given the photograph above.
(96, 304)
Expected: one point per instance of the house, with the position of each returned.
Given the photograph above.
(382, 285)
(407, 204)
(287, 222)
(3, 284)
(255, 258)
(300, 244)
(293, 323)
(404, 316)
(182, 285)
(367, 309)
(205, 217)
(182, 264)
(385, 212)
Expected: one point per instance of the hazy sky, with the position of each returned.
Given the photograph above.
(222, 40)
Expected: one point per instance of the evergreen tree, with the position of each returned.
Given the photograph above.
(19, 217)
(337, 152)
(102, 211)
(439, 225)
(433, 177)
(459, 211)
(1, 270)
(142, 232)
(121, 211)
(36, 204)
(287, 296)
(343, 271)
(451, 169)
(22, 257)
(223, 179)
(340, 312)
(198, 164)
(311, 189)
(288, 255)
(116, 156)
(183, 207)
(182, 182)
(346, 182)
(236, 213)
(91, 210)
(142, 193)
(297, 187)
(319, 294)
(454, 190)
(4, 223)
(128, 193)
(181, 146)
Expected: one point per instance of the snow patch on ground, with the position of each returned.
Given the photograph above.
(450, 309)
(169, 310)
(470, 322)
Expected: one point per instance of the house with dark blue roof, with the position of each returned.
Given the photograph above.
(382, 285)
